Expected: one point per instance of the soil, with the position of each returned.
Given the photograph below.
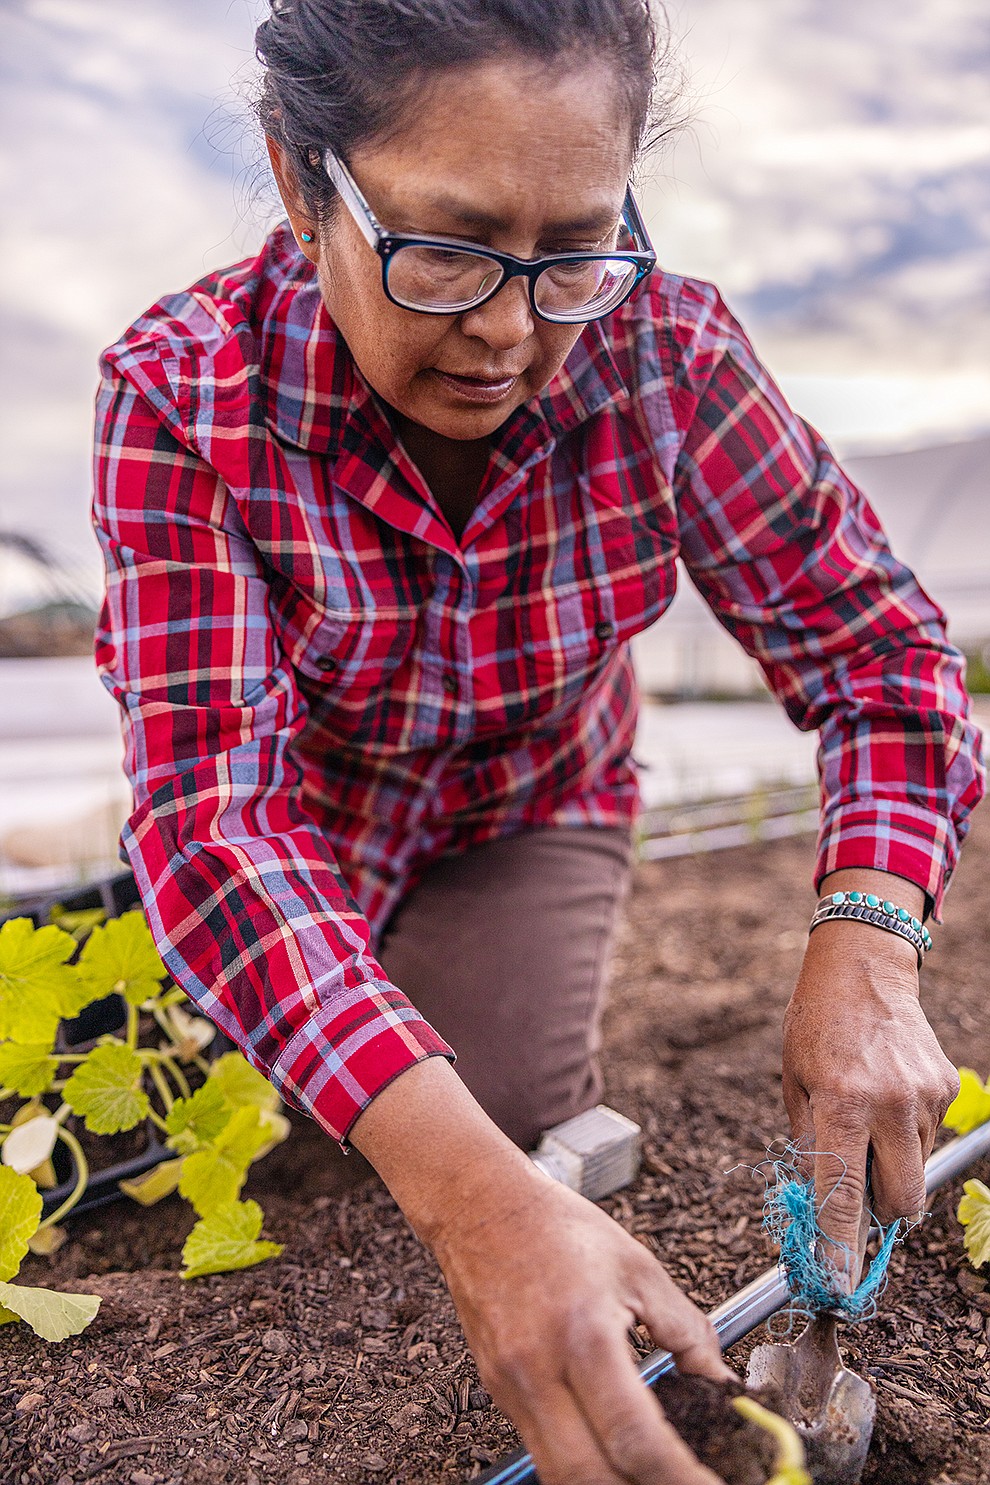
(342, 1361)
(742, 1452)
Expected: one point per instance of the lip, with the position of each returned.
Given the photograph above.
(477, 388)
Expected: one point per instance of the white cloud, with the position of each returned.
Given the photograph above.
(836, 185)
(848, 151)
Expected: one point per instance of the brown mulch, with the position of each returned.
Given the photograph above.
(342, 1361)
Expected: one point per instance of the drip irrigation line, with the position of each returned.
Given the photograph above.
(761, 1298)
(725, 837)
(735, 809)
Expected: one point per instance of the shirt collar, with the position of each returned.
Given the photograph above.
(314, 392)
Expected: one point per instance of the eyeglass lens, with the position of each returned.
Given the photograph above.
(443, 279)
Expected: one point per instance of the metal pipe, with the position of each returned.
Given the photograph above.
(761, 1298)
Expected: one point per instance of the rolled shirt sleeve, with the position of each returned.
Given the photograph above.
(794, 563)
(245, 900)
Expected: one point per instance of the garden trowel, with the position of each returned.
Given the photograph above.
(832, 1409)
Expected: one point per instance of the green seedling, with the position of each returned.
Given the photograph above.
(216, 1130)
(969, 1109)
(789, 1468)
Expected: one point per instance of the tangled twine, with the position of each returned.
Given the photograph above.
(815, 1282)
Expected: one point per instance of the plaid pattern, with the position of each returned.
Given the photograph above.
(322, 690)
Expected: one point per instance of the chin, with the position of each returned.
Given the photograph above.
(464, 423)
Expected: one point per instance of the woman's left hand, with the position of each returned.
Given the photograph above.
(863, 1068)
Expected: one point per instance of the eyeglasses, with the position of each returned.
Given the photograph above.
(443, 276)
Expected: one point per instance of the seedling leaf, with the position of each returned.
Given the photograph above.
(227, 1240)
(121, 956)
(79, 923)
(27, 1069)
(213, 1177)
(36, 986)
(106, 1090)
(30, 1144)
(974, 1214)
(971, 1105)
(42, 1175)
(161, 1181)
(20, 1213)
(52, 1316)
(195, 1121)
(242, 1084)
(276, 1127)
(195, 1033)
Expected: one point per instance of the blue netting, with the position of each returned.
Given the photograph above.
(817, 1283)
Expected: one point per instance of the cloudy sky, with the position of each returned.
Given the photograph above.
(835, 181)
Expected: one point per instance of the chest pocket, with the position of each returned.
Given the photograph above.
(570, 634)
(564, 643)
(357, 670)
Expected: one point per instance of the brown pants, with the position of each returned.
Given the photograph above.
(505, 951)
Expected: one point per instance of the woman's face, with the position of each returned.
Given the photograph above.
(504, 155)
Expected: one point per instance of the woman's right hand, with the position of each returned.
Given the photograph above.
(546, 1287)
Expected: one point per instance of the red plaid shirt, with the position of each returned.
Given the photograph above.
(322, 690)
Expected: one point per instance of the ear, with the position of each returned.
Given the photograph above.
(300, 218)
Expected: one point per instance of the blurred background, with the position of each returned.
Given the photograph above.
(834, 180)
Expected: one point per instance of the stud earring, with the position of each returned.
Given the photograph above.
(306, 236)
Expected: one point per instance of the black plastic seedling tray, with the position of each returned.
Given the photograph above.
(116, 894)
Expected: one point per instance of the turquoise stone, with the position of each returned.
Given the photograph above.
(916, 924)
(872, 900)
(889, 908)
(855, 897)
(838, 897)
(904, 915)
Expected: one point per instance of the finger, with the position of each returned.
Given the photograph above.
(679, 1326)
(562, 1442)
(936, 1106)
(626, 1419)
(898, 1173)
(802, 1124)
(840, 1188)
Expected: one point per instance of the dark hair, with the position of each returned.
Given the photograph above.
(339, 73)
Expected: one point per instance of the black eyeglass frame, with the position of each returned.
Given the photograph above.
(386, 244)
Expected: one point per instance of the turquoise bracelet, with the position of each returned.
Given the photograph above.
(868, 907)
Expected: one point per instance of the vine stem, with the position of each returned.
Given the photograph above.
(175, 1072)
(133, 1022)
(164, 1023)
(164, 1091)
(82, 1177)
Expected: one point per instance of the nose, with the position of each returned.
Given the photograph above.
(505, 320)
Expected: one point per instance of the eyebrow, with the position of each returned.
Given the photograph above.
(473, 216)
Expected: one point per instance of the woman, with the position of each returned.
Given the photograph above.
(381, 511)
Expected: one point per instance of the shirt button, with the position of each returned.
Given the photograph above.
(449, 682)
(327, 662)
(604, 630)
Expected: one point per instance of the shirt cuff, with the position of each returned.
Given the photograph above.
(894, 836)
(349, 1050)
